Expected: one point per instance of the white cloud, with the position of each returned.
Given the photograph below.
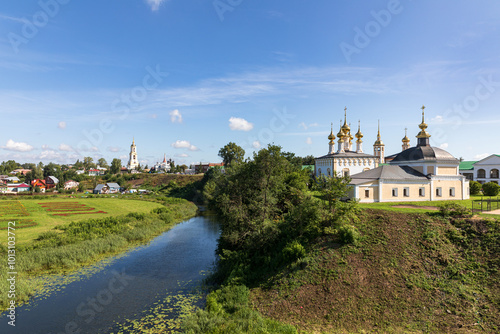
(256, 144)
(481, 156)
(45, 147)
(123, 157)
(184, 144)
(155, 4)
(17, 147)
(175, 116)
(65, 148)
(182, 155)
(113, 149)
(239, 124)
(61, 125)
(437, 119)
(309, 141)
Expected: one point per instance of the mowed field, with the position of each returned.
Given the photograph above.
(34, 217)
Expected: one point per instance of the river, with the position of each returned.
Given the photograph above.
(171, 264)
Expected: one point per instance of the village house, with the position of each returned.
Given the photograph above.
(17, 188)
(71, 184)
(13, 179)
(113, 188)
(21, 171)
(40, 184)
(101, 189)
(51, 182)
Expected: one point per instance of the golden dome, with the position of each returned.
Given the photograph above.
(331, 137)
(378, 142)
(341, 133)
(358, 134)
(423, 126)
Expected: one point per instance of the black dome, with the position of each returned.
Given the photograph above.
(426, 153)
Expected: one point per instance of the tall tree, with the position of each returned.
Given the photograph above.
(116, 165)
(231, 154)
(88, 163)
(103, 163)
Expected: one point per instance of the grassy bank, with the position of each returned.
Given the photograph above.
(70, 245)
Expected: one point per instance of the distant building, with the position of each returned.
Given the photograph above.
(51, 182)
(133, 162)
(17, 188)
(113, 188)
(203, 168)
(101, 189)
(39, 183)
(71, 184)
(96, 172)
(21, 171)
(13, 179)
(163, 167)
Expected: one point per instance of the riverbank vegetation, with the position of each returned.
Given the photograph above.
(309, 260)
(76, 242)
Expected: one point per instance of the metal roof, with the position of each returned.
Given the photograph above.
(348, 154)
(391, 172)
(426, 153)
(466, 165)
(113, 185)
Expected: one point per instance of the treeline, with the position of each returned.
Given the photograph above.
(268, 216)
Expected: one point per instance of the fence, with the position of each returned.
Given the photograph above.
(486, 204)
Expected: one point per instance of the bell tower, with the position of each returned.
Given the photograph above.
(133, 163)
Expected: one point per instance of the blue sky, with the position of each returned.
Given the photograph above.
(82, 78)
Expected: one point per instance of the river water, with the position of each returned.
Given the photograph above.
(172, 263)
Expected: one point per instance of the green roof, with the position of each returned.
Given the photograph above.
(466, 165)
(309, 167)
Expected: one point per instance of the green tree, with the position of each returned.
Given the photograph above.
(308, 160)
(491, 189)
(116, 165)
(475, 187)
(102, 163)
(334, 189)
(88, 163)
(231, 154)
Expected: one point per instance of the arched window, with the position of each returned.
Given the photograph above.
(345, 172)
(494, 174)
(481, 173)
(328, 170)
(319, 171)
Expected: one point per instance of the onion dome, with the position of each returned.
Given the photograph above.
(331, 137)
(378, 142)
(358, 134)
(423, 126)
(341, 133)
(405, 138)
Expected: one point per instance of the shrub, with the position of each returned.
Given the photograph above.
(349, 234)
(293, 251)
(453, 209)
(491, 189)
(475, 187)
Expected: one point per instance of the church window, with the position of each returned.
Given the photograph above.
(421, 191)
(367, 193)
(439, 192)
(406, 192)
(481, 173)
(494, 174)
(394, 192)
(319, 171)
(345, 172)
(452, 192)
(328, 171)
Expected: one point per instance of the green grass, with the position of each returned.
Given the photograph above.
(46, 221)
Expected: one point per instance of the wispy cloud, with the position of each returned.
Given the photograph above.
(11, 18)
